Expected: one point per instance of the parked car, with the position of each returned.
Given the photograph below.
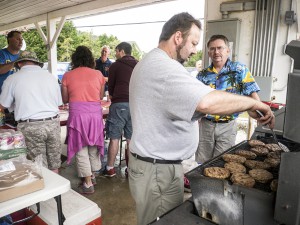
(62, 68)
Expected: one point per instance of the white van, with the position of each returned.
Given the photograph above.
(62, 68)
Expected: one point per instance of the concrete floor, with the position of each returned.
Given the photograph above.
(112, 195)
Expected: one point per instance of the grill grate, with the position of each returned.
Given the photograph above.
(218, 161)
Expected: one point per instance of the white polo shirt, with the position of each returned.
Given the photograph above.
(34, 93)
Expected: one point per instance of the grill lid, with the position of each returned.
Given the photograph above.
(288, 195)
(292, 119)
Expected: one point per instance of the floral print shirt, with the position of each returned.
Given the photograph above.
(234, 77)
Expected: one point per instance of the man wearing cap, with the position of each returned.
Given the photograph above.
(35, 95)
(10, 54)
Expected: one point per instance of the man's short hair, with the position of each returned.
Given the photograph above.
(105, 46)
(124, 46)
(218, 37)
(11, 34)
(180, 22)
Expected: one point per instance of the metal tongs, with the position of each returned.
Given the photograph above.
(281, 146)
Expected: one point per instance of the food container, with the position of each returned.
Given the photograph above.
(19, 140)
(6, 141)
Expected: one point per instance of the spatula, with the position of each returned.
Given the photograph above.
(281, 146)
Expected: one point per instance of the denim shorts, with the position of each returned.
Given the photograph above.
(118, 121)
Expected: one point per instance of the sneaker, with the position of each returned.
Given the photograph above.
(83, 189)
(109, 173)
(187, 186)
(94, 182)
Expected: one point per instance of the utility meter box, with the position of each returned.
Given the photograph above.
(228, 27)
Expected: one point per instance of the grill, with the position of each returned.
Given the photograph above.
(223, 202)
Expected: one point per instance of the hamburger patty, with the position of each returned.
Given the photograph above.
(234, 167)
(253, 164)
(254, 143)
(260, 150)
(216, 172)
(274, 155)
(261, 175)
(243, 179)
(247, 154)
(233, 158)
(274, 185)
(272, 161)
(273, 147)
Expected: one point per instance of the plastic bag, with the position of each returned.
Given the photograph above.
(19, 171)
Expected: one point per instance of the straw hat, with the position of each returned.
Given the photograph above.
(28, 56)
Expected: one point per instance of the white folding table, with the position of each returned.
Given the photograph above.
(55, 185)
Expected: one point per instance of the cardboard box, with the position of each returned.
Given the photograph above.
(18, 191)
(18, 177)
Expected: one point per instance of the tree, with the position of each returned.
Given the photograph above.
(192, 61)
(3, 41)
(34, 43)
(136, 52)
(68, 41)
(111, 41)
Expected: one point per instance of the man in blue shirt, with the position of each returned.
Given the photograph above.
(9, 55)
(103, 64)
(217, 133)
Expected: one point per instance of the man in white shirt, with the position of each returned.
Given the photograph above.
(35, 95)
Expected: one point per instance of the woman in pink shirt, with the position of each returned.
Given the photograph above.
(82, 88)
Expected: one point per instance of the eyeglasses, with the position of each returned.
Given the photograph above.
(219, 48)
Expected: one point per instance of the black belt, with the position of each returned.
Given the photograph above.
(219, 121)
(36, 120)
(160, 161)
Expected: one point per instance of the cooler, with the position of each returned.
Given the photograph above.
(77, 210)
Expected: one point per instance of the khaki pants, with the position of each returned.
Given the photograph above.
(214, 139)
(87, 161)
(156, 188)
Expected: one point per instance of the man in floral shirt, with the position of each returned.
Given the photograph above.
(217, 133)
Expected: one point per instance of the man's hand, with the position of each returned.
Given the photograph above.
(267, 117)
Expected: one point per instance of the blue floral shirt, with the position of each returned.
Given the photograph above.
(234, 78)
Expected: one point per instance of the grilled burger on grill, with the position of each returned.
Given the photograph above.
(242, 179)
(260, 150)
(272, 161)
(274, 155)
(234, 167)
(273, 147)
(233, 158)
(261, 175)
(216, 172)
(254, 143)
(247, 154)
(274, 185)
(253, 164)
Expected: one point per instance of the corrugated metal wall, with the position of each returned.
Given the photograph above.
(267, 19)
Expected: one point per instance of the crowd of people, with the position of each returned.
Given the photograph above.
(160, 124)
